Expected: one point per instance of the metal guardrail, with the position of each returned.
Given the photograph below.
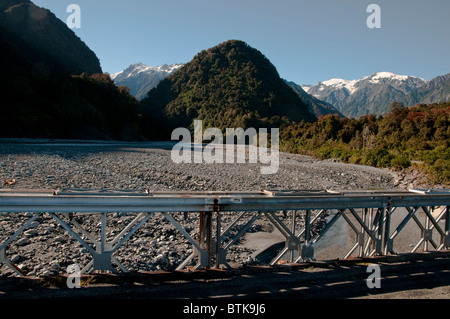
(368, 213)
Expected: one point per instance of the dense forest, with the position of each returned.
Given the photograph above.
(71, 107)
(417, 135)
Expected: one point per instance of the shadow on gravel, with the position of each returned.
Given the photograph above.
(84, 147)
(317, 280)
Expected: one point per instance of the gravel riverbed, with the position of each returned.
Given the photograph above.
(45, 248)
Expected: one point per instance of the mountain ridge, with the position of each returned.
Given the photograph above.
(436, 90)
(375, 93)
(48, 35)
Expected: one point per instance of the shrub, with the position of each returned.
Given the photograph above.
(400, 162)
(379, 157)
(440, 171)
(325, 152)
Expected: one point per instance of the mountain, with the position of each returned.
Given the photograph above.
(373, 94)
(141, 78)
(40, 95)
(48, 36)
(229, 85)
(317, 107)
(435, 91)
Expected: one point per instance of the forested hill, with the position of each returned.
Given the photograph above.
(47, 91)
(229, 85)
(47, 35)
(40, 100)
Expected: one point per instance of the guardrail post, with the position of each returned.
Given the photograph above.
(447, 227)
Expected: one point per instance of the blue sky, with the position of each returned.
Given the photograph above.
(307, 41)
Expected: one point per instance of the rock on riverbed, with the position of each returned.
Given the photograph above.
(46, 248)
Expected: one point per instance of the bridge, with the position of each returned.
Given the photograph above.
(376, 217)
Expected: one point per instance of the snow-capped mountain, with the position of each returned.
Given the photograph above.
(373, 94)
(141, 78)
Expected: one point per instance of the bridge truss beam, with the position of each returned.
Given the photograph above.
(368, 214)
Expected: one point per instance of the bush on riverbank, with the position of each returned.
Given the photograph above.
(420, 133)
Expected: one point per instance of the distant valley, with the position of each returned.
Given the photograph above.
(236, 81)
(53, 87)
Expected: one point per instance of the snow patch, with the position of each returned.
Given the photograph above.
(306, 88)
(350, 86)
(115, 75)
(138, 68)
(379, 77)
